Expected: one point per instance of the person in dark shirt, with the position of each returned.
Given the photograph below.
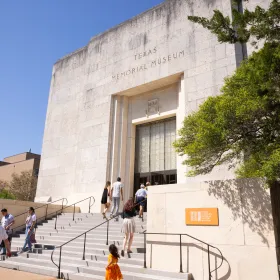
(129, 226)
(105, 200)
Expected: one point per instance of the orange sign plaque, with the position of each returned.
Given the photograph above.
(202, 217)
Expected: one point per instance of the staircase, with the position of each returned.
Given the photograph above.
(96, 251)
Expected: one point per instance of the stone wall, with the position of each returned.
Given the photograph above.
(245, 233)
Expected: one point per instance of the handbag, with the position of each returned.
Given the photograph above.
(32, 238)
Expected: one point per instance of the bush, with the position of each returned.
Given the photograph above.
(4, 194)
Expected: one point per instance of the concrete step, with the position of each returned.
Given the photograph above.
(89, 244)
(89, 225)
(92, 222)
(58, 240)
(64, 238)
(92, 214)
(86, 267)
(128, 271)
(98, 255)
(128, 275)
(30, 267)
(83, 276)
(93, 219)
(84, 228)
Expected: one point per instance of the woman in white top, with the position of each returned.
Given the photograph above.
(30, 225)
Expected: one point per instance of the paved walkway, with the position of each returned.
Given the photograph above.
(10, 274)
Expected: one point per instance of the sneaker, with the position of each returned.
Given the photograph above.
(129, 251)
(122, 253)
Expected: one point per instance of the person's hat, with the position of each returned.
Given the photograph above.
(142, 186)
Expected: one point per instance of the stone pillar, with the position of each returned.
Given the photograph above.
(115, 172)
(119, 141)
(180, 115)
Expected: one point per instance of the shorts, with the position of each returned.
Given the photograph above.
(141, 200)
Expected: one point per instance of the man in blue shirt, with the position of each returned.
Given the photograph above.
(140, 196)
(6, 222)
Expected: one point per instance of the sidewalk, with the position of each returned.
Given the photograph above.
(10, 274)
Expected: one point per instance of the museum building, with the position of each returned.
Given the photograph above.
(115, 107)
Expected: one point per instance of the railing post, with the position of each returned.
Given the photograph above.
(59, 264)
(107, 242)
(89, 205)
(74, 212)
(181, 262)
(84, 254)
(55, 220)
(209, 267)
(145, 248)
(46, 212)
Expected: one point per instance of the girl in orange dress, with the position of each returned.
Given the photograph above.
(113, 271)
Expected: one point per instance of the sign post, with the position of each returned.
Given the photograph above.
(202, 217)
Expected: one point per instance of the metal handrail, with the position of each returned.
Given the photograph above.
(60, 211)
(181, 263)
(85, 234)
(45, 216)
(47, 204)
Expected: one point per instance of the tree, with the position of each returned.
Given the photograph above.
(241, 127)
(23, 186)
(259, 24)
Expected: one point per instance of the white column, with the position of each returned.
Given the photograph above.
(124, 173)
(180, 115)
(115, 172)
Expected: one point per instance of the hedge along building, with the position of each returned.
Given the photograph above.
(114, 109)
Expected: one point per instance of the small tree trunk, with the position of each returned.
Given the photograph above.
(275, 204)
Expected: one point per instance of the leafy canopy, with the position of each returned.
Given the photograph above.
(21, 187)
(242, 125)
(258, 24)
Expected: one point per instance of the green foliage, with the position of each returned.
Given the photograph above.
(4, 194)
(242, 125)
(23, 185)
(258, 24)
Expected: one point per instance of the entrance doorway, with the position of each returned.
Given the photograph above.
(155, 157)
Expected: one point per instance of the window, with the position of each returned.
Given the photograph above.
(155, 158)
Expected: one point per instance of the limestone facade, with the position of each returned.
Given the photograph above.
(100, 92)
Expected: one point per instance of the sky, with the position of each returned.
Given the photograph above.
(34, 34)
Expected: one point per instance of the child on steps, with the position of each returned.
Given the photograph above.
(113, 271)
